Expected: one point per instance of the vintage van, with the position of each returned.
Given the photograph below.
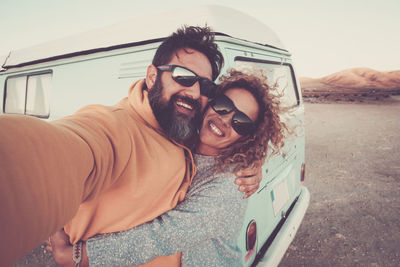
(55, 79)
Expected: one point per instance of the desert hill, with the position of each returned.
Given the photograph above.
(353, 84)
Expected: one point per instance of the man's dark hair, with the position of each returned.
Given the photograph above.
(197, 38)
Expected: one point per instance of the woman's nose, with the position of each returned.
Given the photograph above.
(227, 118)
(193, 91)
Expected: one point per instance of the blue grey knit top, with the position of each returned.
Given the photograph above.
(204, 227)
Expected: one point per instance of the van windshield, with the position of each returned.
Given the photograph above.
(279, 74)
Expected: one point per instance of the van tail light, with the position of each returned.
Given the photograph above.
(251, 235)
(303, 172)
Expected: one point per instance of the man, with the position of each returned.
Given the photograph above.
(125, 163)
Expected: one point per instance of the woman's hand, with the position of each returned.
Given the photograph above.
(59, 245)
(249, 180)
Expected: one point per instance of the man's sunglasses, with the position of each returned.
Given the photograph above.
(187, 78)
(241, 123)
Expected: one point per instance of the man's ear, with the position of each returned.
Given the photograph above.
(151, 76)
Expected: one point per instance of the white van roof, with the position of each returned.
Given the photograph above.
(222, 20)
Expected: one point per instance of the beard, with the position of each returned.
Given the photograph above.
(177, 126)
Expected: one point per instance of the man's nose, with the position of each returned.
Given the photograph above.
(193, 91)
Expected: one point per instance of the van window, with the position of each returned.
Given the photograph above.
(29, 94)
(281, 74)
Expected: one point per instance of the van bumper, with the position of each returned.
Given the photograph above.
(281, 242)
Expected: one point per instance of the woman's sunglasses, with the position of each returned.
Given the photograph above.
(187, 78)
(241, 123)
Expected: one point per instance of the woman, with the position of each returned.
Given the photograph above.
(238, 125)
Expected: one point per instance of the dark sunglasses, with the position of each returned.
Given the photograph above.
(187, 78)
(241, 123)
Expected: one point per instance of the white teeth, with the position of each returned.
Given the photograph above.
(185, 105)
(215, 129)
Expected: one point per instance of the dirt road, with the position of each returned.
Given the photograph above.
(353, 174)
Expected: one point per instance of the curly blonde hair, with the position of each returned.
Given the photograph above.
(251, 151)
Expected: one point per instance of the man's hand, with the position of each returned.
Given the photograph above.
(59, 245)
(249, 180)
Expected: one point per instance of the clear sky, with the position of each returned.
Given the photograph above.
(324, 36)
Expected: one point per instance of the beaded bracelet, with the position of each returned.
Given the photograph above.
(77, 253)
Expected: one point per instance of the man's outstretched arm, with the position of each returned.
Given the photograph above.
(47, 170)
(34, 200)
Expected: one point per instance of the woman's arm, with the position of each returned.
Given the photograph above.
(209, 210)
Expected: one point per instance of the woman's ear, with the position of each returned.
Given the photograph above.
(151, 76)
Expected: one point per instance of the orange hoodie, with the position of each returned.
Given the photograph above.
(115, 160)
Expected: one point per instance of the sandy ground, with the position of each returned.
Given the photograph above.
(353, 174)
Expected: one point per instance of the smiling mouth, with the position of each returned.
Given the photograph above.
(215, 129)
(184, 107)
(183, 104)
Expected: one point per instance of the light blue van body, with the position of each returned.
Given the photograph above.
(56, 79)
